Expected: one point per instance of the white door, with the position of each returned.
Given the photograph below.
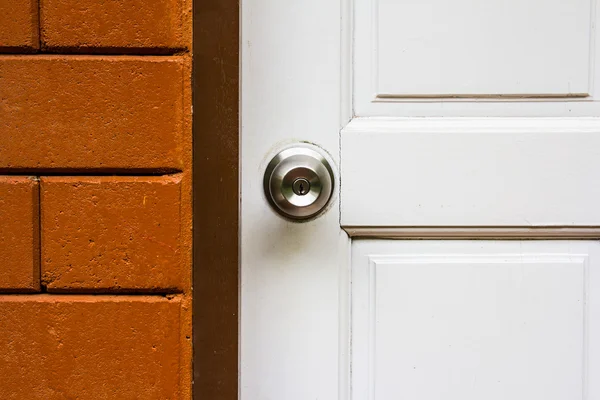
(469, 125)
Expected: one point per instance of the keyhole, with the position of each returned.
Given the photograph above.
(301, 186)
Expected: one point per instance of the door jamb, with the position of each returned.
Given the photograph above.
(215, 88)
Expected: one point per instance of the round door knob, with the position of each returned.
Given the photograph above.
(298, 183)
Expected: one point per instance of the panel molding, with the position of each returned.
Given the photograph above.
(483, 125)
(524, 232)
(390, 97)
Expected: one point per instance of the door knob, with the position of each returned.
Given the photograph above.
(299, 182)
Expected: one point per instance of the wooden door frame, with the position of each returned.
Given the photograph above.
(216, 198)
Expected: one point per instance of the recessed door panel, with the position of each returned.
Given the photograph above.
(475, 320)
(474, 48)
(412, 57)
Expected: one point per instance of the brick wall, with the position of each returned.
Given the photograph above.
(95, 199)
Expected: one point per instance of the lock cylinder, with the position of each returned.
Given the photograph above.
(298, 183)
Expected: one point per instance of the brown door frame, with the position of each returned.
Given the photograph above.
(216, 198)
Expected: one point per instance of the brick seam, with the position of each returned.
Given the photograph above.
(39, 232)
(87, 172)
(117, 51)
(39, 26)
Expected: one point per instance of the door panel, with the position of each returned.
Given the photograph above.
(475, 320)
(470, 172)
(470, 48)
(474, 58)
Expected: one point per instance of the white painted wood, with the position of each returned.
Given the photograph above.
(293, 326)
(473, 58)
(305, 72)
(464, 320)
(436, 48)
(471, 172)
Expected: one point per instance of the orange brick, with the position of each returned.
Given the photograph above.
(114, 25)
(19, 234)
(18, 25)
(91, 112)
(111, 233)
(89, 347)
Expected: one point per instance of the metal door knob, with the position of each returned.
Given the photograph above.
(298, 183)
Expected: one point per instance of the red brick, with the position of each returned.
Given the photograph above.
(18, 25)
(120, 25)
(89, 347)
(19, 234)
(91, 112)
(111, 233)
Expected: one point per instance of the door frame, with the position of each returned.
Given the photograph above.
(215, 88)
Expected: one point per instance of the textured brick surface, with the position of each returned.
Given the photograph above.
(18, 25)
(111, 233)
(89, 347)
(123, 113)
(19, 239)
(121, 26)
(91, 112)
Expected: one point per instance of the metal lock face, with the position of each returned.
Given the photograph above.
(298, 183)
